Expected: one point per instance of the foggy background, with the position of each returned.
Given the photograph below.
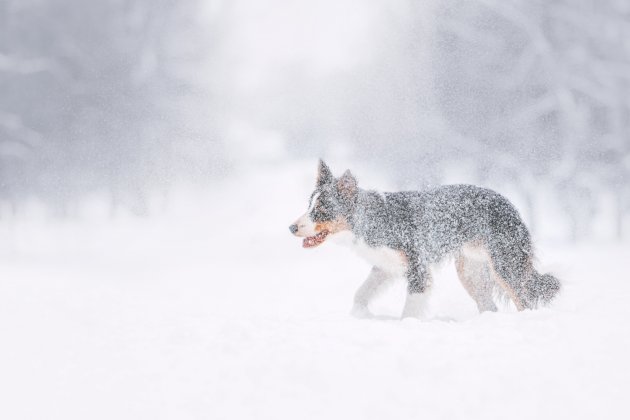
(153, 154)
(120, 103)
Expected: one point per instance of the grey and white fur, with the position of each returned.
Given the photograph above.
(404, 233)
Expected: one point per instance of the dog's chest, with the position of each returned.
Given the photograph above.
(387, 259)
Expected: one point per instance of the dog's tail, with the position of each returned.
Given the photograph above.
(527, 287)
(510, 248)
(541, 288)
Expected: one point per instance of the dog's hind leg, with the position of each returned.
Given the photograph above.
(475, 276)
(377, 282)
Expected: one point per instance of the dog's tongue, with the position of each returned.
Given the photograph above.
(312, 241)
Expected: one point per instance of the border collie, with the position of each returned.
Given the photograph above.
(402, 233)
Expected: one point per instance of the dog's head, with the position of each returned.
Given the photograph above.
(329, 209)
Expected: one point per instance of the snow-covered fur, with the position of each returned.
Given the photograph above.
(403, 233)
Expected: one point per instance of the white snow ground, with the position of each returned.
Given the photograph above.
(216, 312)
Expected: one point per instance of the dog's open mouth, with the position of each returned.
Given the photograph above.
(312, 241)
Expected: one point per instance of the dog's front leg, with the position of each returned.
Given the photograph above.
(371, 287)
(418, 282)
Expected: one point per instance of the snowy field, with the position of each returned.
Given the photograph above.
(212, 310)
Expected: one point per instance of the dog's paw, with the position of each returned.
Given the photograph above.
(361, 311)
(415, 306)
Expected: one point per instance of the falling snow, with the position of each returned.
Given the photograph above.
(153, 154)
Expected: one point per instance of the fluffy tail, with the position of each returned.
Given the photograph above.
(527, 287)
(540, 289)
(511, 252)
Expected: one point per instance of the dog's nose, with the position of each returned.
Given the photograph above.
(293, 228)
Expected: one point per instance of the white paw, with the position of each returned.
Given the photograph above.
(415, 306)
(361, 311)
(415, 313)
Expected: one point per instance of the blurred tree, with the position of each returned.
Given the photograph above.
(105, 96)
(543, 86)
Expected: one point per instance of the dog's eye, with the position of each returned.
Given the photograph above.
(321, 212)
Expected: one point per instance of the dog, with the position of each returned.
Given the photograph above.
(401, 234)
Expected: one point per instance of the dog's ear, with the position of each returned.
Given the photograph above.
(348, 187)
(324, 176)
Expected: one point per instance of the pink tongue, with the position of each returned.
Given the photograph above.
(314, 240)
(309, 242)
